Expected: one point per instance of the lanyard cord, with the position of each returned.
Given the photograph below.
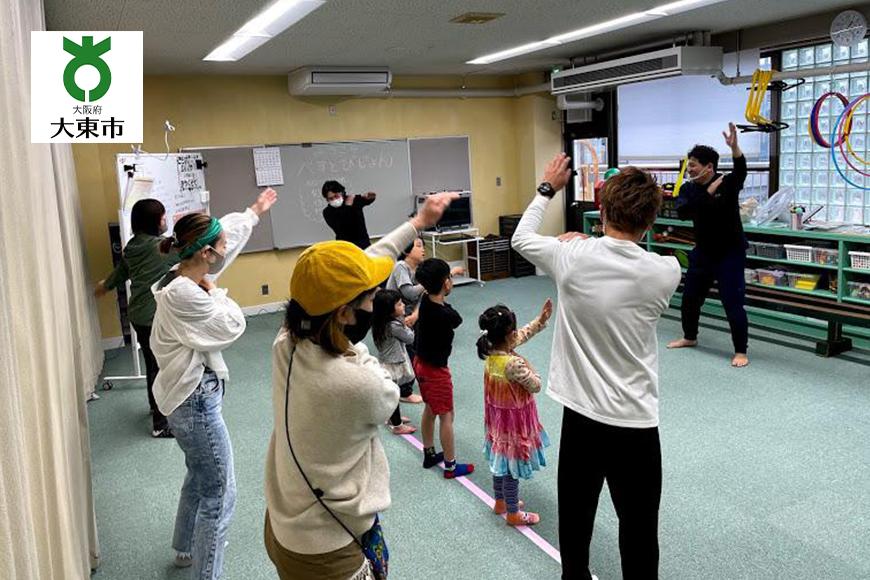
(318, 493)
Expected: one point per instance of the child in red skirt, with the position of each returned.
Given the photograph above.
(434, 343)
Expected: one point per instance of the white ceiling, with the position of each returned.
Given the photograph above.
(412, 37)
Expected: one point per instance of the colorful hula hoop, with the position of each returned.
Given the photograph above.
(836, 130)
(848, 139)
(847, 142)
(813, 122)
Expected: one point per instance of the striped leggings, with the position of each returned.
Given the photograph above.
(508, 489)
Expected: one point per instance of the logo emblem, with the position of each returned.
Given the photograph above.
(86, 54)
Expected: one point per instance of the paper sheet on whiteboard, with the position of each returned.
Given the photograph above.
(267, 166)
(139, 189)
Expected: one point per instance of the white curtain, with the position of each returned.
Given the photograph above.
(50, 354)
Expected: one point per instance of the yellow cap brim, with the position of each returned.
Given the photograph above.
(381, 268)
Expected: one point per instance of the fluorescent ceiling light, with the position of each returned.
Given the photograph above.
(236, 47)
(257, 31)
(626, 21)
(682, 6)
(280, 16)
(512, 52)
(596, 29)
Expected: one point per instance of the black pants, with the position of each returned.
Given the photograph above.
(630, 460)
(728, 272)
(405, 390)
(143, 333)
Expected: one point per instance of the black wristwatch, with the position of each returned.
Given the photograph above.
(546, 190)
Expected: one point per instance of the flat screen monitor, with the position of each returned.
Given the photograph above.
(456, 217)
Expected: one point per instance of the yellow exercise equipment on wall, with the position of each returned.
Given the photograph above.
(761, 82)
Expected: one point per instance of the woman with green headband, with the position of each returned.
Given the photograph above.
(193, 323)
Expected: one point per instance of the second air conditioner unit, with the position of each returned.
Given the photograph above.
(670, 62)
(329, 80)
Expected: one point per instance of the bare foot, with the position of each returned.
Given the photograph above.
(739, 361)
(682, 343)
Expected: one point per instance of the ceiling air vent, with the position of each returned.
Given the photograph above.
(671, 62)
(476, 17)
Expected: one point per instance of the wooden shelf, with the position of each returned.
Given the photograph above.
(856, 300)
(792, 262)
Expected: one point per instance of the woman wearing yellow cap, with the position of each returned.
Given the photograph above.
(326, 472)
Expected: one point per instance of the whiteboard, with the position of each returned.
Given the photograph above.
(665, 118)
(179, 184)
(361, 166)
(440, 164)
(232, 186)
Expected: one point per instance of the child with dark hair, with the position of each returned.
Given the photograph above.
(434, 343)
(391, 336)
(143, 264)
(515, 438)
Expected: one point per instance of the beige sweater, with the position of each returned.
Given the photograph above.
(337, 405)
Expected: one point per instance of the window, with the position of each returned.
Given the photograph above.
(806, 166)
(660, 120)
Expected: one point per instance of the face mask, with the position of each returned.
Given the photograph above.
(336, 202)
(218, 264)
(699, 177)
(358, 331)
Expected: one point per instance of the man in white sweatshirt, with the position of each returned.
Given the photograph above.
(604, 365)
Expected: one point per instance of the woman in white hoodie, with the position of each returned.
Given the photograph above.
(326, 472)
(193, 323)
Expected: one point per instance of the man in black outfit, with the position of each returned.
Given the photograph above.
(344, 214)
(711, 200)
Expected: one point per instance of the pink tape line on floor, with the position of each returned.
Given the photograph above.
(537, 540)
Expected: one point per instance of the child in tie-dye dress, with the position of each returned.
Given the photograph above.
(515, 438)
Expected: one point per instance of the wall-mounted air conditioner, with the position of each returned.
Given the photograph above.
(680, 60)
(330, 80)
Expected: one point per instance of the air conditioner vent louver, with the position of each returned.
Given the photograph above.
(623, 70)
(683, 60)
(314, 81)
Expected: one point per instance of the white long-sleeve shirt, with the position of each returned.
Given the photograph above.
(604, 361)
(191, 326)
(337, 406)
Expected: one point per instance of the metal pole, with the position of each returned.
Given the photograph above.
(802, 73)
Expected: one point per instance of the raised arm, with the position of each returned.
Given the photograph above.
(537, 249)
(737, 177)
(537, 325)
(239, 226)
(400, 238)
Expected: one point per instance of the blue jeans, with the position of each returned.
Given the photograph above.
(208, 495)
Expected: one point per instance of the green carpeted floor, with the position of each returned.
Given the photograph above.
(766, 470)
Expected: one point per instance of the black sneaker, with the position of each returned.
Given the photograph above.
(432, 460)
(165, 433)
